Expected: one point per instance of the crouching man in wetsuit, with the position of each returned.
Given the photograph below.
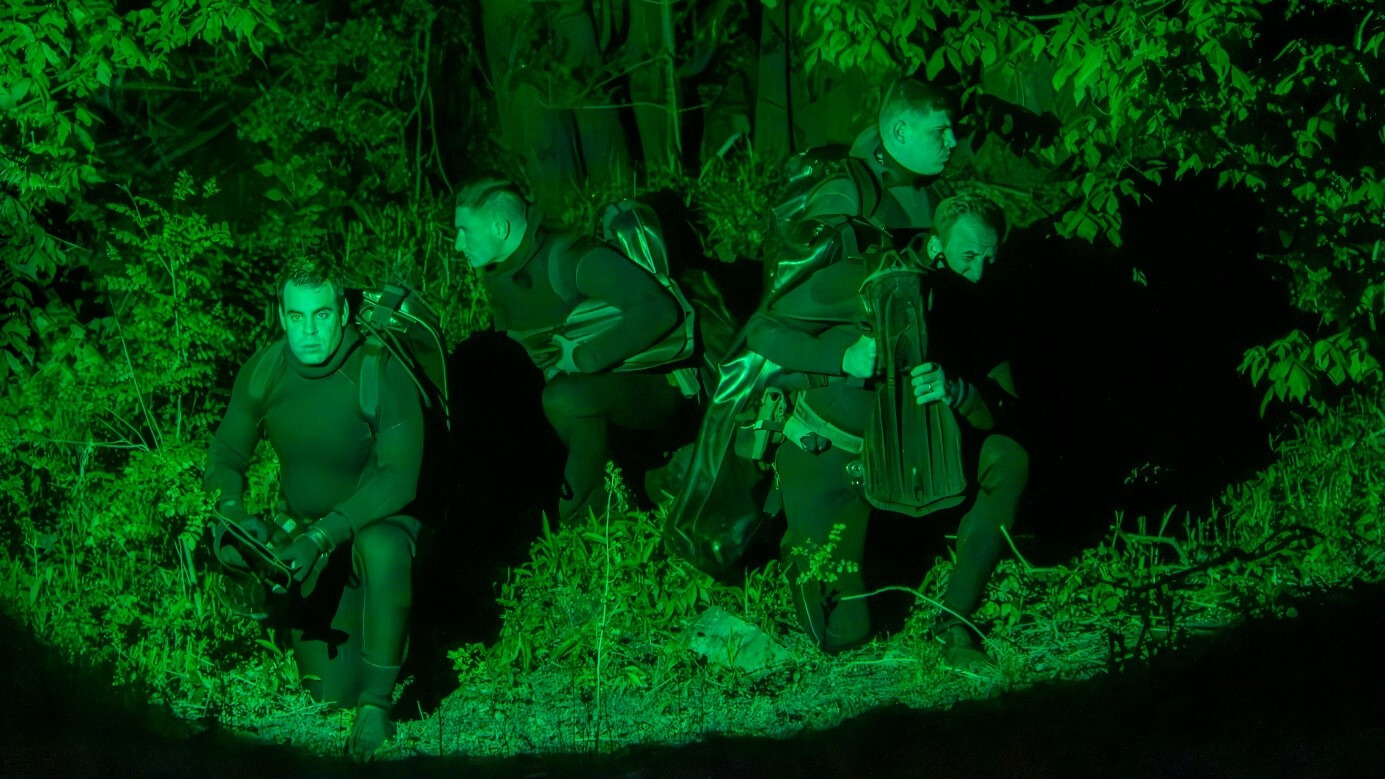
(816, 330)
(534, 279)
(344, 481)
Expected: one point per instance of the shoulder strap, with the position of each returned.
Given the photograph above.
(371, 379)
(867, 185)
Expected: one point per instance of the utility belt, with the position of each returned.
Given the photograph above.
(910, 465)
(782, 417)
(807, 430)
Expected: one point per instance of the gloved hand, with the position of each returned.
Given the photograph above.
(226, 544)
(306, 556)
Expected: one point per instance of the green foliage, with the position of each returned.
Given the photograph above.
(1295, 367)
(128, 306)
(1142, 90)
(601, 600)
(156, 164)
(820, 564)
(1309, 523)
(733, 195)
(346, 123)
(110, 427)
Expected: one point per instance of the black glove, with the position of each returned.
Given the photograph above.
(228, 532)
(306, 556)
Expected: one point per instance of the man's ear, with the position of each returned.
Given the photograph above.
(900, 129)
(935, 247)
(502, 228)
(283, 321)
(345, 312)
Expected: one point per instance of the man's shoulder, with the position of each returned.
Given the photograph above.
(829, 292)
(836, 196)
(850, 188)
(264, 366)
(568, 241)
(272, 350)
(564, 250)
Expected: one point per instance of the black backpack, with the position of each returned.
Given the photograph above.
(398, 323)
(808, 170)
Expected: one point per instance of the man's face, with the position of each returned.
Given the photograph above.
(925, 141)
(480, 236)
(313, 322)
(971, 246)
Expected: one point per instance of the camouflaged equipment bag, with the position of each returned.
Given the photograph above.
(912, 454)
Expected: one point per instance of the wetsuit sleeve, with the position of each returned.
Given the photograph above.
(233, 444)
(809, 328)
(390, 483)
(798, 347)
(648, 311)
(994, 399)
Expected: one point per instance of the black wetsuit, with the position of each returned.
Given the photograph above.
(531, 295)
(355, 478)
(807, 331)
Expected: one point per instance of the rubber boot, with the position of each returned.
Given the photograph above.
(373, 725)
(959, 645)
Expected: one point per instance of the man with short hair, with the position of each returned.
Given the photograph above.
(815, 331)
(535, 278)
(345, 482)
(884, 187)
(906, 149)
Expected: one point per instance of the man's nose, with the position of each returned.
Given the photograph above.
(460, 243)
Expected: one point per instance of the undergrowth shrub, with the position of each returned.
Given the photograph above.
(102, 486)
(602, 601)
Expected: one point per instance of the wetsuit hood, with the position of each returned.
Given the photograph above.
(350, 341)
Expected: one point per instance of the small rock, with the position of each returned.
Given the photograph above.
(729, 641)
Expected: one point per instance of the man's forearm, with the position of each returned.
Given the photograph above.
(976, 410)
(797, 350)
(641, 325)
(225, 478)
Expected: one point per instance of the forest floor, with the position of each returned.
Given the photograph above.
(1283, 537)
